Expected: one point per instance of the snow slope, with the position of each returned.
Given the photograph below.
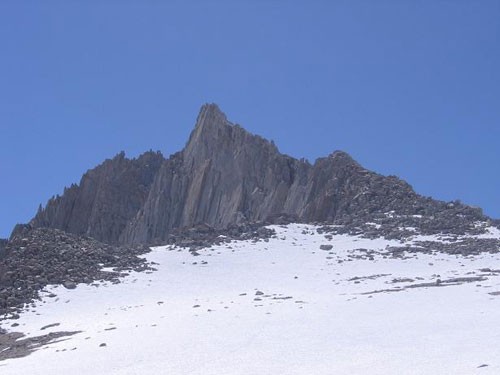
(282, 306)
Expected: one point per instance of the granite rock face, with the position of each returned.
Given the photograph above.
(106, 199)
(226, 176)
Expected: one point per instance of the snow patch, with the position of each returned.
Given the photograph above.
(283, 306)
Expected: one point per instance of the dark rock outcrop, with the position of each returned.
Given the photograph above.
(3, 243)
(226, 176)
(106, 199)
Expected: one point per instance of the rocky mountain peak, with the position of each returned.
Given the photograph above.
(210, 116)
(342, 155)
(225, 175)
(343, 159)
(214, 137)
(212, 129)
(210, 124)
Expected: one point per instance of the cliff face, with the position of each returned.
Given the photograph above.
(224, 175)
(106, 199)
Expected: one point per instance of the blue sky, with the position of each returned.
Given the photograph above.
(409, 88)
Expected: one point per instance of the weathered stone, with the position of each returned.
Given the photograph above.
(69, 285)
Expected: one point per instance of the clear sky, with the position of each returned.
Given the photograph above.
(410, 88)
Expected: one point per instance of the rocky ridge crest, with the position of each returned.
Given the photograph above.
(226, 175)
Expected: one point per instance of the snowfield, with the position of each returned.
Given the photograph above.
(279, 307)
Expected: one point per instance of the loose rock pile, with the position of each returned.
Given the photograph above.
(203, 235)
(404, 228)
(464, 247)
(35, 258)
(400, 227)
(40, 257)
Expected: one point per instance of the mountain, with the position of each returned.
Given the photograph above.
(226, 175)
(263, 256)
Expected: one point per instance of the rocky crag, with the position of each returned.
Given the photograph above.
(106, 199)
(226, 176)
